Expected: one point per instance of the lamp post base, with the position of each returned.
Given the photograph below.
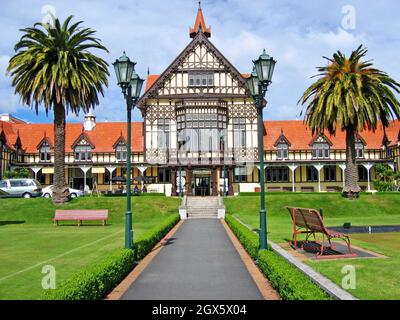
(263, 230)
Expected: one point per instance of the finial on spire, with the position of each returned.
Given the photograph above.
(200, 25)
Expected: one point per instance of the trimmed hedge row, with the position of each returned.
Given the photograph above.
(290, 283)
(149, 239)
(96, 281)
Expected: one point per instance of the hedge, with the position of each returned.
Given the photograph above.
(290, 283)
(248, 238)
(149, 239)
(96, 281)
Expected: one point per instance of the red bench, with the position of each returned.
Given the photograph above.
(81, 215)
(309, 222)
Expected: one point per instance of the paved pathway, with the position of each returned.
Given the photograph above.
(199, 263)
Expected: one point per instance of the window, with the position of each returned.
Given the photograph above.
(121, 152)
(164, 175)
(3, 184)
(362, 173)
(45, 153)
(283, 151)
(320, 150)
(277, 174)
(202, 128)
(330, 173)
(239, 132)
(201, 79)
(83, 153)
(163, 133)
(241, 174)
(312, 174)
(359, 150)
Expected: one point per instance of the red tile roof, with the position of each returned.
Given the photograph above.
(106, 134)
(300, 136)
(103, 136)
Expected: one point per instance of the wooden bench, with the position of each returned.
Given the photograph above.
(81, 215)
(309, 222)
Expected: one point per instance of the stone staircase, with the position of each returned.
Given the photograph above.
(203, 207)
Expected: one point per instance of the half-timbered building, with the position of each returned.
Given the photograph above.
(199, 133)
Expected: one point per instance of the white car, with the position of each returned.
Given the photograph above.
(48, 192)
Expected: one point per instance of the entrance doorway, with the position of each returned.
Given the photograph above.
(202, 186)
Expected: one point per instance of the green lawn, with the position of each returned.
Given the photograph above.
(28, 239)
(376, 278)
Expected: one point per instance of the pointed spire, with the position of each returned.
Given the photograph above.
(200, 25)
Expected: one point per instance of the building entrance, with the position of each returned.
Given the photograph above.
(202, 186)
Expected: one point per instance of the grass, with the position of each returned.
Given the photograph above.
(377, 278)
(28, 239)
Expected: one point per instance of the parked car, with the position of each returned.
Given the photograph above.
(48, 192)
(16, 188)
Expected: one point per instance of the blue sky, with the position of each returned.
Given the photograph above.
(153, 32)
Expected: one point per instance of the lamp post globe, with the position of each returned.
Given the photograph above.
(124, 69)
(131, 85)
(265, 66)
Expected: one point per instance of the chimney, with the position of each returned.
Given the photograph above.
(90, 121)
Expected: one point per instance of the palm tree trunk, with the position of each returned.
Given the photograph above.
(60, 190)
(351, 188)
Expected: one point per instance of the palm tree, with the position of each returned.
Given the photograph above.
(54, 68)
(352, 96)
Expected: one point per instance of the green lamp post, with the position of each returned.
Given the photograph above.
(181, 142)
(131, 85)
(258, 84)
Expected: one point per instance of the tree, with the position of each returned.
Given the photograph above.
(352, 96)
(53, 67)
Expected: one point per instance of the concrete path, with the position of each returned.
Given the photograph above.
(199, 263)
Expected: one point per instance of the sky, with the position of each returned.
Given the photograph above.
(297, 33)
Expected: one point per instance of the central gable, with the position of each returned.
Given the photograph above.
(200, 62)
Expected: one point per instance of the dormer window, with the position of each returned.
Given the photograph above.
(121, 152)
(282, 151)
(83, 148)
(320, 150)
(359, 150)
(44, 151)
(83, 153)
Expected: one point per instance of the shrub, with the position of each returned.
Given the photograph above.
(248, 238)
(149, 239)
(291, 283)
(287, 279)
(96, 281)
(16, 174)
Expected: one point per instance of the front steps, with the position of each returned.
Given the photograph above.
(202, 208)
